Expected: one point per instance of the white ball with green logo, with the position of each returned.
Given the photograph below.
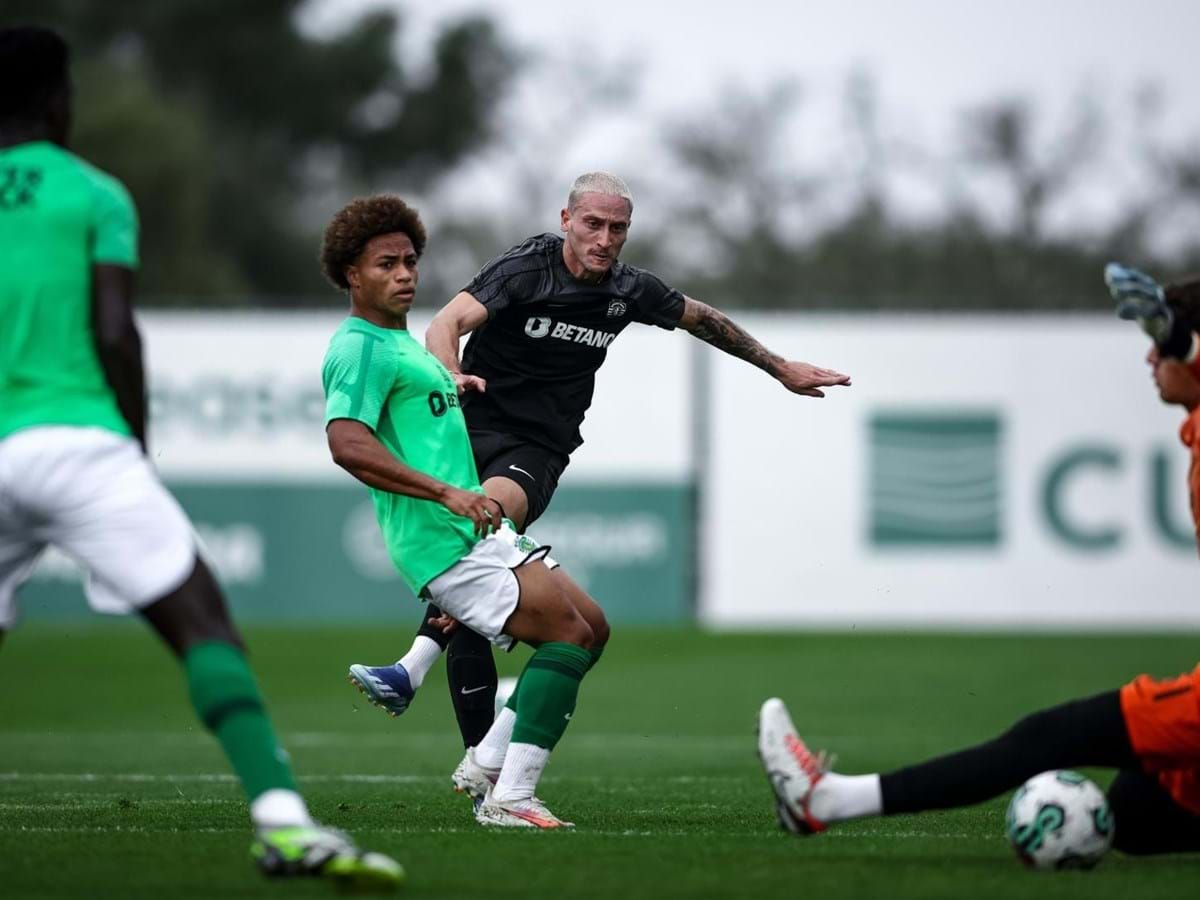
(1059, 820)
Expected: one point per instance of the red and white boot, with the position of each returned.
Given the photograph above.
(792, 769)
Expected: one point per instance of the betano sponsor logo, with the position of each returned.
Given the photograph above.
(540, 327)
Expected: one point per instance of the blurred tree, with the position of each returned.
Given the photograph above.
(750, 224)
(733, 226)
(531, 164)
(1001, 136)
(220, 115)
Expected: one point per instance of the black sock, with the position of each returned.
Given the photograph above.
(471, 675)
(431, 631)
(1147, 818)
(1087, 732)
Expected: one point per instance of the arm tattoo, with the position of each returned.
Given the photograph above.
(716, 328)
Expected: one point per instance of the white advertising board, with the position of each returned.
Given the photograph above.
(980, 472)
(238, 396)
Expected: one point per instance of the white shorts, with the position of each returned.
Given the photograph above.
(480, 590)
(92, 494)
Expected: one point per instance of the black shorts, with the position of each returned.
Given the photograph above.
(534, 467)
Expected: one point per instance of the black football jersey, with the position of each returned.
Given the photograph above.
(546, 334)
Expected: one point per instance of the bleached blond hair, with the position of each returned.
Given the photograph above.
(599, 183)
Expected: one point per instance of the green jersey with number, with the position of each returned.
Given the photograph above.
(59, 216)
(387, 380)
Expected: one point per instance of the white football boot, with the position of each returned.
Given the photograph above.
(472, 779)
(531, 813)
(792, 769)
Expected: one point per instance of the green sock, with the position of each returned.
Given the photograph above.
(595, 653)
(547, 692)
(511, 703)
(227, 700)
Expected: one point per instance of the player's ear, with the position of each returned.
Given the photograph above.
(352, 278)
(566, 220)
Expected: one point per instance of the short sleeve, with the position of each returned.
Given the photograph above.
(115, 226)
(658, 303)
(512, 275)
(358, 377)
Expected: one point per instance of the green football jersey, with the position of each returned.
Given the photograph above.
(58, 217)
(387, 380)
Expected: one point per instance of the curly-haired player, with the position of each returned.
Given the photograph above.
(393, 422)
(540, 319)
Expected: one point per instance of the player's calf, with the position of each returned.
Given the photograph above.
(541, 707)
(193, 613)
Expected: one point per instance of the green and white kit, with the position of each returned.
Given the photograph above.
(387, 380)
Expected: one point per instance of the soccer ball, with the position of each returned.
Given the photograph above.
(1059, 820)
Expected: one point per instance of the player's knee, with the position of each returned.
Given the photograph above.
(193, 613)
(575, 630)
(601, 631)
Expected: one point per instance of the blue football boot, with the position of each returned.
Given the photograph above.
(388, 687)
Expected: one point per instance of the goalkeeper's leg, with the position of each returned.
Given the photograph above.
(1089, 732)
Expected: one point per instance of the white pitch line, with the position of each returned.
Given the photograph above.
(102, 801)
(398, 737)
(137, 829)
(349, 777)
(584, 831)
(219, 778)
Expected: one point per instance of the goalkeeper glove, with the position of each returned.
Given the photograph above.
(1139, 297)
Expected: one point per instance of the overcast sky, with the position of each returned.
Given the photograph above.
(930, 59)
(932, 56)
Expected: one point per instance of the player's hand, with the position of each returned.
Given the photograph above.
(1141, 299)
(479, 508)
(466, 383)
(802, 378)
(448, 624)
(1138, 296)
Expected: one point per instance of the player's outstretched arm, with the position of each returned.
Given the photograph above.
(714, 327)
(118, 344)
(356, 449)
(459, 317)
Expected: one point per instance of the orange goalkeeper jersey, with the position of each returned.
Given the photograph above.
(1189, 433)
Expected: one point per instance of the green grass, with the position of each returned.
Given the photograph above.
(108, 788)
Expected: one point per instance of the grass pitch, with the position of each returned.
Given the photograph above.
(109, 788)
